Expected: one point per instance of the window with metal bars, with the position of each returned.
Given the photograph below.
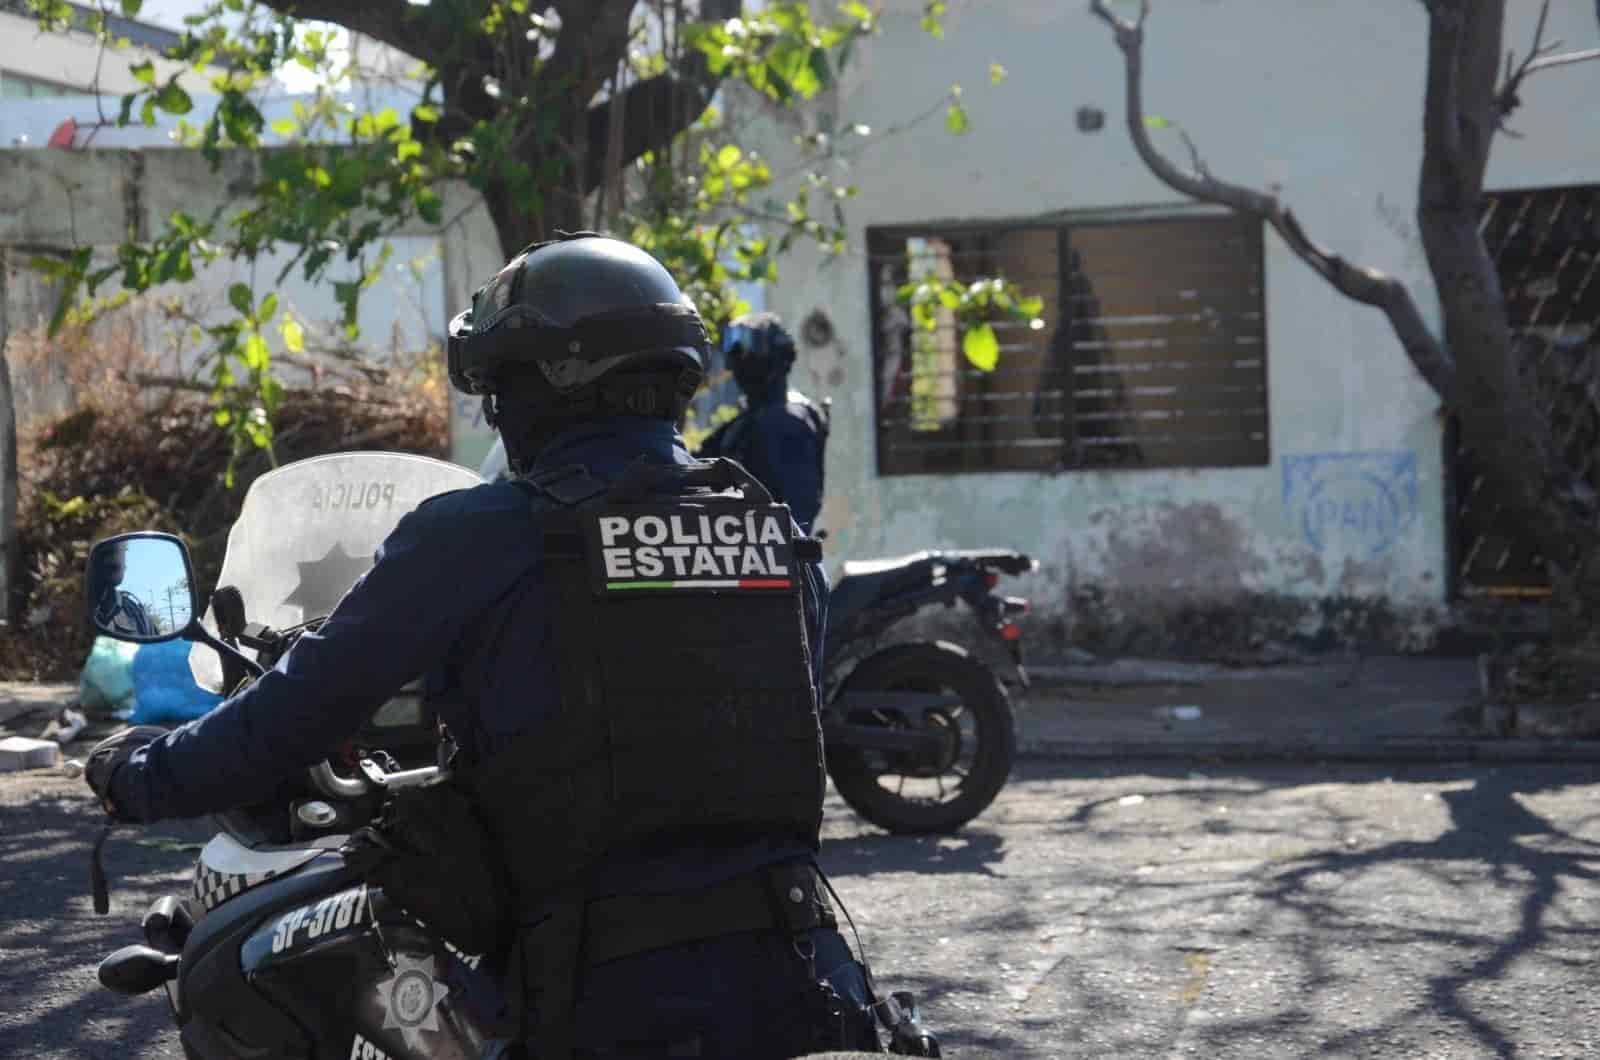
(1153, 352)
(1545, 243)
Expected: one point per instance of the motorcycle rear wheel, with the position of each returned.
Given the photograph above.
(932, 667)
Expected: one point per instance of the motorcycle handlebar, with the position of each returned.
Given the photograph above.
(405, 778)
(372, 777)
(333, 786)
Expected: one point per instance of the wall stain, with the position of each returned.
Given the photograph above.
(1194, 547)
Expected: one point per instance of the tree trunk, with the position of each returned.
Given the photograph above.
(1534, 463)
(1510, 426)
(8, 460)
(518, 224)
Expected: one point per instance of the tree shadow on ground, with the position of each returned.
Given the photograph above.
(51, 938)
(1492, 834)
(1491, 827)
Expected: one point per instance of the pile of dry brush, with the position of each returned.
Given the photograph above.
(131, 457)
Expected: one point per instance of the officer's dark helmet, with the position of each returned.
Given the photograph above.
(573, 329)
(758, 351)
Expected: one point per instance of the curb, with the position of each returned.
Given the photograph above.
(1396, 750)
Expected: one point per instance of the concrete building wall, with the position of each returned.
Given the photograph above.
(75, 59)
(59, 199)
(1322, 100)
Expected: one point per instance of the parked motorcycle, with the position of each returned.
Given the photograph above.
(283, 949)
(919, 735)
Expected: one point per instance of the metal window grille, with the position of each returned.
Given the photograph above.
(1546, 246)
(1153, 352)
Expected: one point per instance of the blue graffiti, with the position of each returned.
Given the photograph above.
(1362, 501)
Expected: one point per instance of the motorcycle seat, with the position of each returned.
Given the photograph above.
(866, 581)
(227, 868)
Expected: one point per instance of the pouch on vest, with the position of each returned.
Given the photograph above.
(433, 857)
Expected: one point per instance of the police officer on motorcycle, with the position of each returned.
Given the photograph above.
(780, 435)
(624, 646)
(114, 608)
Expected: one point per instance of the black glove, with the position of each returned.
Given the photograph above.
(110, 753)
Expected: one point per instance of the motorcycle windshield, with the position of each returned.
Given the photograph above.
(308, 530)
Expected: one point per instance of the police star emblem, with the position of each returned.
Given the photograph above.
(411, 999)
(324, 582)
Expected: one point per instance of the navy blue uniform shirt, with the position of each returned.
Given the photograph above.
(455, 595)
(777, 443)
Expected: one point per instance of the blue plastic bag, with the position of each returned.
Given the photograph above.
(164, 691)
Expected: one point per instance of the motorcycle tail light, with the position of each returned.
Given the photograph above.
(1010, 631)
(990, 579)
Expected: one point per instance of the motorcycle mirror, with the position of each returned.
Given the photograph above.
(137, 970)
(141, 588)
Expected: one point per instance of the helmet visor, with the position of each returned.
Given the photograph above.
(741, 342)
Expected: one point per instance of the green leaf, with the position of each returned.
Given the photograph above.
(429, 206)
(173, 99)
(239, 295)
(147, 113)
(955, 119)
(285, 127)
(407, 149)
(424, 113)
(144, 72)
(729, 156)
(269, 306)
(997, 73)
(981, 347)
(166, 265)
(256, 355)
(294, 337)
(347, 293)
(820, 68)
(315, 261)
(1156, 122)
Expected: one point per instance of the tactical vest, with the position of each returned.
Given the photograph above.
(736, 441)
(687, 710)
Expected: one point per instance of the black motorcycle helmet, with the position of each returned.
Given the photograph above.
(758, 351)
(575, 328)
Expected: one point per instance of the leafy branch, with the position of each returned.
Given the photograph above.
(973, 309)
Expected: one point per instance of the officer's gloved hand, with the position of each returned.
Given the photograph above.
(110, 753)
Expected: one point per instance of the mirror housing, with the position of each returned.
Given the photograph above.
(160, 601)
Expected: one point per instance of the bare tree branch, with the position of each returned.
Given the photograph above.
(1506, 98)
(1568, 59)
(1366, 285)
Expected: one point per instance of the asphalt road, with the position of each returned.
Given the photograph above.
(1122, 911)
